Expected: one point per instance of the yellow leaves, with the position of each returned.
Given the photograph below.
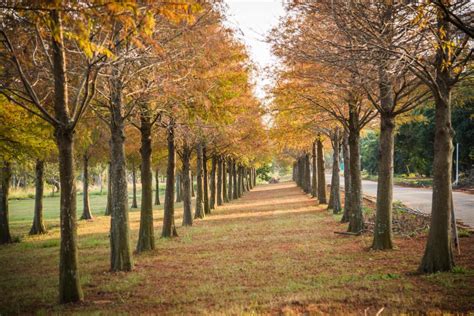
(149, 24)
(180, 11)
(23, 135)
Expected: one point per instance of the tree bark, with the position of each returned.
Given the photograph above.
(69, 278)
(69, 290)
(307, 174)
(299, 176)
(235, 192)
(438, 254)
(108, 208)
(314, 175)
(199, 212)
(239, 181)
(192, 185)
(187, 207)
(178, 187)
(356, 219)
(248, 178)
(254, 177)
(321, 175)
(146, 235)
(347, 178)
(86, 209)
(383, 219)
(220, 181)
(205, 174)
(134, 186)
(121, 258)
(225, 196)
(6, 174)
(212, 183)
(38, 226)
(157, 186)
(230, 192)
(335, 195)
(169, 227)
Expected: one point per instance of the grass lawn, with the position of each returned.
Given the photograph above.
(272, 252)
(22, 209)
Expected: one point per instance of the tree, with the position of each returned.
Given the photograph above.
(335, 195)
(447, 55)
(18, 87)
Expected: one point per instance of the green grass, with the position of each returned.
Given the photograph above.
(22, 209)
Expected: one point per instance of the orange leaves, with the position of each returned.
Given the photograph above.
(180, 11)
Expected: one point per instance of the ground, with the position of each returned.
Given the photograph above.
(274, 251)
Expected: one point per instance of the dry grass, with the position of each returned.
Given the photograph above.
(271, 252)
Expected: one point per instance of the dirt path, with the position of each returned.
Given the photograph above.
(271, 252)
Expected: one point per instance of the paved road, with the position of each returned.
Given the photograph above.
(420, 198)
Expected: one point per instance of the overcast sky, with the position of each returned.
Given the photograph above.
(253, 20)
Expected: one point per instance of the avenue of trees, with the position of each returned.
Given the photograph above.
(350, 65)
(120, 89)
(128, 92)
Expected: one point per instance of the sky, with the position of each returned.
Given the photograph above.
(253, 20)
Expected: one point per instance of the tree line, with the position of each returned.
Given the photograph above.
(159, 85)
(352, 65)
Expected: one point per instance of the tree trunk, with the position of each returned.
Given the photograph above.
(248, 184)
(293, 176)
(178, 187)
(335, 195)
(108, 208)
(192, 185)
(242, 180)
(169, 227)
(205, 200)
(383, 219)
(254, 177)
(301, 169)
(187, 207)
(299, 176)
(86, 209)
(212, 183)
(225, 196)
(38, 226)
(6, 174)
(356, 219)
(438, 254)
(134, 186)
(235, 192)
(239, 181)
(121, 258)
(321, 173)
(146, 235)
(199, 212)
(220, 181)
(69, 278)
(307, 174)
(249, 178)
(69, 282)
(157, 186)
(230, 193)
(347, 178)
(314, 175)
